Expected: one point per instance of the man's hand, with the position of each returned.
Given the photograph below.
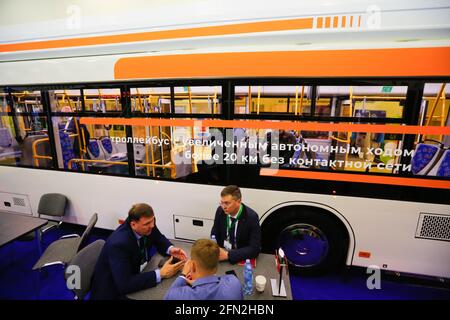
(169, 270)
(187, 268)
(178, 253)
(223, 254)
(187, 271)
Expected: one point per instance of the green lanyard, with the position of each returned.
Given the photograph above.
(237, 218)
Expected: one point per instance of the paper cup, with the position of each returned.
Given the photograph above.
(260, 283)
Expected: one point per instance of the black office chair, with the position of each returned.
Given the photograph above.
(52, 205)
(63, 250)
(84, 264)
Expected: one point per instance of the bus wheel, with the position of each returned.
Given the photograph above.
(314, 243)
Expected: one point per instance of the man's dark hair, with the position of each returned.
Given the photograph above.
(140, 210)
(232, 190)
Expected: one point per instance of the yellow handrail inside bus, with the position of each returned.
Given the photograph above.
(81, 148)
(433, 109)
(215, 100)
(340, 140)
(440, 95)
(249, 100)
(141, 108)
(258, 101)
(301, 100)
(193, 167)
(443, 118)
(296, 100)
(34, 151)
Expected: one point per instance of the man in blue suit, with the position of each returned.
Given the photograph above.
(125, 253)
(198, 280)
(236, 227)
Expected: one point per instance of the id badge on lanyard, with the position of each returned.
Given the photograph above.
(227, 245)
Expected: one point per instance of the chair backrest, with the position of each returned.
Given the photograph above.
(95, 151)
(107, 146)
(110, 150)
(424, 158)
(442, 166)
(88, 230)
(6, 140)
(68, 152)
(85, 260)
(52, 204)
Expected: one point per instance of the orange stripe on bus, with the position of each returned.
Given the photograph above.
(327, 22)
(351, 21)
(319, 63)
(344, 19)
(335, 22)
(359, 21)
(239, 28)
(258, 124)
(360, 178)
(319, 22)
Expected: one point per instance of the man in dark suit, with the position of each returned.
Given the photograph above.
(125, 253)
(236, 227)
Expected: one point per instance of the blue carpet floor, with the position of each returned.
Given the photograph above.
(19, 282)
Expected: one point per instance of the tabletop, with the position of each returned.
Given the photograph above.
(265, 265)
(15, 225)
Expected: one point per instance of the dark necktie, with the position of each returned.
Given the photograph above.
(142, 249)
(232, 227)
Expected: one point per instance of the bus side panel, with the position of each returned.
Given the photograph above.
(385, 229)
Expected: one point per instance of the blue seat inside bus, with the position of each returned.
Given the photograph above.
(442, 167)
(95, 151)
(424, 159)
(67, 149)
(110, 152)
(8, 144)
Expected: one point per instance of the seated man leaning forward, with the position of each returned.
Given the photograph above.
(236, 227)
(198, 280)
(118, 271)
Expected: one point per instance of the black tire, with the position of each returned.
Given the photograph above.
(296, 228)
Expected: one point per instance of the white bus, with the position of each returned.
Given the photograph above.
(333, 118)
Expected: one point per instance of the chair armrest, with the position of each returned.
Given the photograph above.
(52, 263)
(74, 235)
(48, 228)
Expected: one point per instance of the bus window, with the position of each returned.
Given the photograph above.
(151, 100)
(434, 108)
(102, 100)
(272, 99)
(24, 141)
(172, 152)
(152, 151)
(198, 100)
(361, 101)
(89, 148)
(65, 100)
(432, 154)
(27, 102)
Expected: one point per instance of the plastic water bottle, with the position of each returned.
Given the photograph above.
(248, 278)
(213, 238)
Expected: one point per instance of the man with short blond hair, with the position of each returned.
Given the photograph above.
(198, 280)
